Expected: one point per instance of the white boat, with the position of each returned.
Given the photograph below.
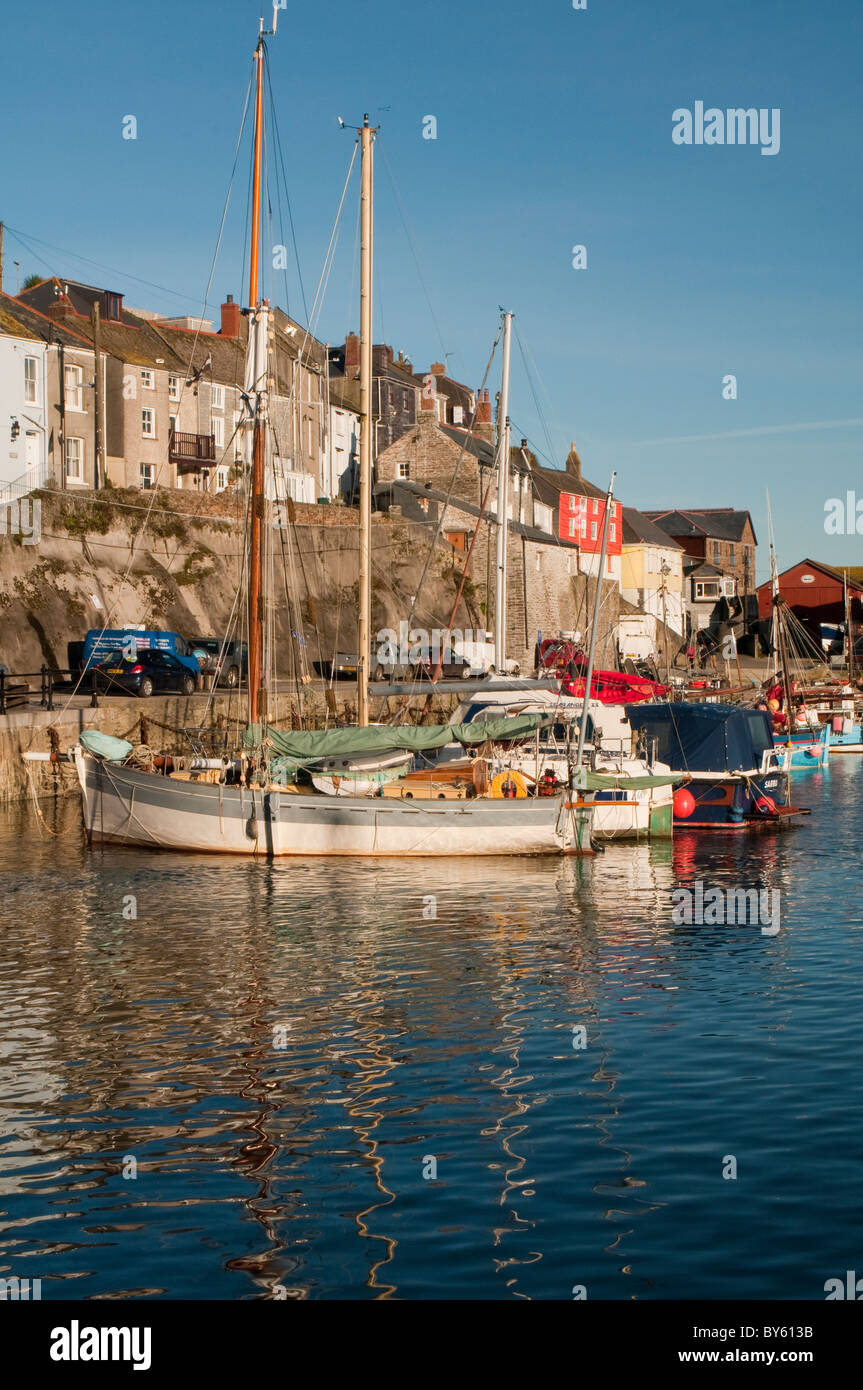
(631, 794)
(125, 805)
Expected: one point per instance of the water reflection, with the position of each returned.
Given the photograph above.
(299, 1169)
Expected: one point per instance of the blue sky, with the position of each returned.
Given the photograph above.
(553, 129)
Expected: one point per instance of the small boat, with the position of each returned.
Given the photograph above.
(631, 795)
(803, 748)
(725, 755)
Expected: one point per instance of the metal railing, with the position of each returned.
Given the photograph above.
(49, 678)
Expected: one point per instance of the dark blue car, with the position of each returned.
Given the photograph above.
(145, 674)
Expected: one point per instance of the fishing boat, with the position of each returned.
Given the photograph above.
(282, 792)
(732, 776)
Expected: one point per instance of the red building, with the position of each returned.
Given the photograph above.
(815, 593)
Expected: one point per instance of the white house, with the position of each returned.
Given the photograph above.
(23, 412)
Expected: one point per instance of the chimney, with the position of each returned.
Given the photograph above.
(352, 354)
(61, 307)
(428, 398)
(573, 462)
(230, 318)
(437, 369)
(484, 427)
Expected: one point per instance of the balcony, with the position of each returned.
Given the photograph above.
(191, 451)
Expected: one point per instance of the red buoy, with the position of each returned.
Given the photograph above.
(684, 803)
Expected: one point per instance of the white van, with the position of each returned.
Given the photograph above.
(478, 659)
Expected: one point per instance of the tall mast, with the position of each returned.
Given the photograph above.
(367, 134)
(503, 464)
(597, 603)
(253, 362)
(774, 586)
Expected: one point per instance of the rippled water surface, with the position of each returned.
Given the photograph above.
(325, 1087)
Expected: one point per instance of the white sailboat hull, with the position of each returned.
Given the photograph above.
(126, 806)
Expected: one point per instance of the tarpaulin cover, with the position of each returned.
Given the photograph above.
(113, 750)
(302, 745)
(599, 781)
(705, 738)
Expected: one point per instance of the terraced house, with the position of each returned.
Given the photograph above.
(171, 393)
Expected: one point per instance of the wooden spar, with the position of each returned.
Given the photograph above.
(364, 642)
(503, 467)
(255, 250)
(256, 518)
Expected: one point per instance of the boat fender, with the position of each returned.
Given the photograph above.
(766, 805)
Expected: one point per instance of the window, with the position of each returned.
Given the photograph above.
(112, 306)
(717, 552)
(595, 507)
(218, 401)
(593, 530)
(31, 366)
(403, 470)
(572, 525)
(148, 382)
(612, 531)
(219, 431)
(146, 472)
(221, 479)
(729, 587)
(706, 588)
(614, 509)
(172, 424)
(174, 387)
(74, 452)
(148, 424)
(732, 555)
(72, 383)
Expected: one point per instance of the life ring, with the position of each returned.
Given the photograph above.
(508, 783)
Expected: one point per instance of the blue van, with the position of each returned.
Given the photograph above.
(97, 644)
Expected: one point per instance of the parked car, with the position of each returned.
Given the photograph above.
(227, 661)
(133, 642)
(144, 674)
(343, 667)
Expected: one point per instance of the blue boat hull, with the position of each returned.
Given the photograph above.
(731, 803)
(808, 748)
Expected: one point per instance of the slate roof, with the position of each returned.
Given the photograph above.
(560, 481)
(637, 527)
(716, 523)
(149, 343)
(404, 485)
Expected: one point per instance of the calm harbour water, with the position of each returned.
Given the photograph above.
(413, 1040)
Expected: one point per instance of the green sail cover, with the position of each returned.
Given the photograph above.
(598, 781)
(303, 745)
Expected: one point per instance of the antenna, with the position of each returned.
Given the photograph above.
(276, 8)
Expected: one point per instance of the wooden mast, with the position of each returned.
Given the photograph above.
(256, 605)
(364, 645)
(503, 467)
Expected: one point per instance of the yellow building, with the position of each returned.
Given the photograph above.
(652, 570)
